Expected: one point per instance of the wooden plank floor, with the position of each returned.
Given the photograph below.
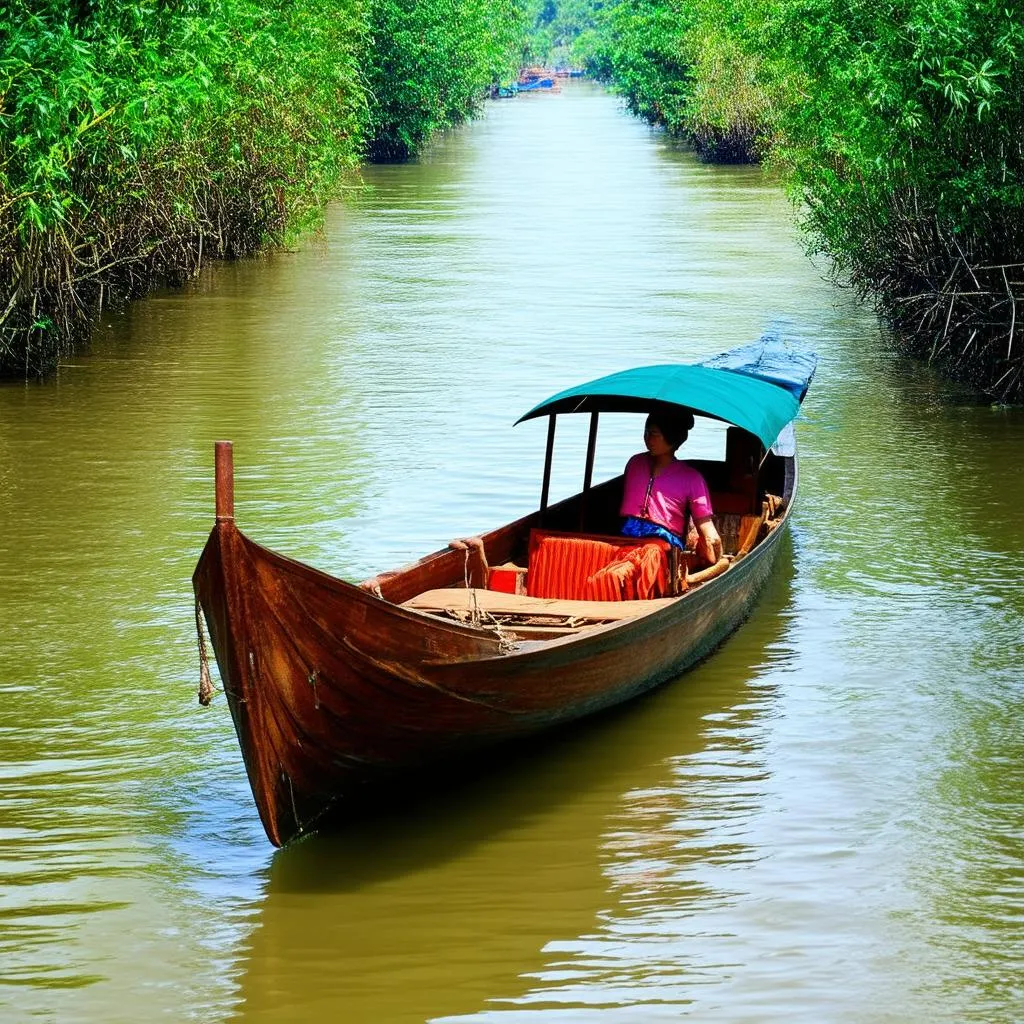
(495, 603)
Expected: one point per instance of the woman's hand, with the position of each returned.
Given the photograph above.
(710, 545)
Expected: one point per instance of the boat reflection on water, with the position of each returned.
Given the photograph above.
(448, 905)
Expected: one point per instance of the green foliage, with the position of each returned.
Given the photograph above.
(591, 51)
(429, 63)
(730, 112)
(680, 64)
(648, 58)
(138, 137)
(927, 97)
(555, 27)
(904, 143)
(900, 127)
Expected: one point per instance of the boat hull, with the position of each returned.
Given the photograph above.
(335, 691)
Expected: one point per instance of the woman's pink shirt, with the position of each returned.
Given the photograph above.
(677, 485)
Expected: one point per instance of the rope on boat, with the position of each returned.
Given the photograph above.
(291, 790)
(506, 643)
(206, 687)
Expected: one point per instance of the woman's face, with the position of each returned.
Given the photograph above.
(655, 440)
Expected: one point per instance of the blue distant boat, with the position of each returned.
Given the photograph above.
(540, 83)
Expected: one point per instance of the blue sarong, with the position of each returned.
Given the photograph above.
(636, 527)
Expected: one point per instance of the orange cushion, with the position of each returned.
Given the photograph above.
(580, 568)
(560, 565)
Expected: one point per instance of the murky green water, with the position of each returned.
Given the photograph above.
(824, 822)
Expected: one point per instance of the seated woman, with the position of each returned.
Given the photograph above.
(659, 490)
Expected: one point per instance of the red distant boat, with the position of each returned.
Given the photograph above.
(335, 689)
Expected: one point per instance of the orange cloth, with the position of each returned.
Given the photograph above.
(651, 563)
(561, 565)
(575, 568)
(615, 581)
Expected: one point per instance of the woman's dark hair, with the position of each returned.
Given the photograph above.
(674, 423)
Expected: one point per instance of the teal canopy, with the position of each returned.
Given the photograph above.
(761, 408)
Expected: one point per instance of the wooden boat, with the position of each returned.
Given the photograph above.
(337, 689)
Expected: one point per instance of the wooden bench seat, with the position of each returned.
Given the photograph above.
(494, 602)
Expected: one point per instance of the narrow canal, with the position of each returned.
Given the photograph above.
(823, 822)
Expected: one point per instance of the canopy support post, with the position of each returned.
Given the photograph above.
(588, 474)
(546, 486)
(224, 474)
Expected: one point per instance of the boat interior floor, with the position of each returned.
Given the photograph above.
(529, 614)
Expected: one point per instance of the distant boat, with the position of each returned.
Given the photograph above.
(540, 83)
(337, 690)
(536, 78)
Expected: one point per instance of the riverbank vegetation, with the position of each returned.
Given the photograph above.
(904, 143)
(139, 138)
(430, 63)
(898, 131)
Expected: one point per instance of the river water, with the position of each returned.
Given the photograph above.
(823, 822)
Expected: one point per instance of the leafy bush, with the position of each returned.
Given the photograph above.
(682, 65)
(899, 127)
(646, 41)
(729, 113)
(906, 150)
(139, 138)
(429, 63)
(555, 27)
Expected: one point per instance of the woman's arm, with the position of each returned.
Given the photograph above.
(709, 545)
